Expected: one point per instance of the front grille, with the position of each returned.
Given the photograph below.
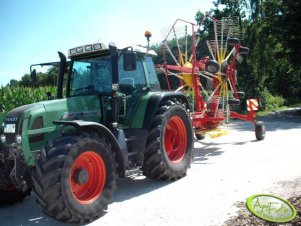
(10, 138)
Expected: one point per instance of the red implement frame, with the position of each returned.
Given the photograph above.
(203, 118)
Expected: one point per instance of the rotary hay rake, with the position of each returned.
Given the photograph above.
(210, 82)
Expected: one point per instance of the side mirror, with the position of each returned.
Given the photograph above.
(129, 61)
(33, 75)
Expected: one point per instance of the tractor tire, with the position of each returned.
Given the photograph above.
(75, 178)
(260, 130)
(233, 41)
(12, 197)
(169, 143)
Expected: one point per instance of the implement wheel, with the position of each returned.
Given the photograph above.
(259, 130)
(169, 143)
(75, 178)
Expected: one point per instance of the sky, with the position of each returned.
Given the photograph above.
(33, 31)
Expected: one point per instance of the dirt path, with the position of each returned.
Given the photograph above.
(225, 172)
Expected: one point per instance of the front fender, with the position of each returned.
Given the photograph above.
(103, 130)
(154, 102)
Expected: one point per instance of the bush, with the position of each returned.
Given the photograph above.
(268, 102)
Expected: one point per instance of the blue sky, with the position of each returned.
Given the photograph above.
(32, 31)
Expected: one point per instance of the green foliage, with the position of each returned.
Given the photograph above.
(268, 102)
(12, 97)
(49, 78)
(272, 31)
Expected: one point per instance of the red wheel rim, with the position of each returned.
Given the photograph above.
(175, 139)
(87, 177)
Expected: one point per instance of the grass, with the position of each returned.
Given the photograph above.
(269, 111)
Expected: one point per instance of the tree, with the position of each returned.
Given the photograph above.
(273, 34)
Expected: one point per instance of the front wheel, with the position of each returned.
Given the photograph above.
(169, 143)
(9, 197)
(75, 178)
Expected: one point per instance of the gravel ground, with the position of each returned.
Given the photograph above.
(224, 173)
(243, 217)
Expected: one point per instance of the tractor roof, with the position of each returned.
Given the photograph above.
(100, 47)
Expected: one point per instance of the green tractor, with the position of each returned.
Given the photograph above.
(114, 118)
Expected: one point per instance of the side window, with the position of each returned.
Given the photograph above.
(129, 81)
(153, 78)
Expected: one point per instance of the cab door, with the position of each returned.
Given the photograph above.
(132, 86)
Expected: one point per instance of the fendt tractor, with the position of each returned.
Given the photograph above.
(114, 117)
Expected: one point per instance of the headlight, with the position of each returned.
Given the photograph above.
(18, 139)
(3, 139)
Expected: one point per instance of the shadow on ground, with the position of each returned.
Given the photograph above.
(135, 185)
(203, 153)
(28, 213)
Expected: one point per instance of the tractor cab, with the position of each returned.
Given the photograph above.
(117, 78)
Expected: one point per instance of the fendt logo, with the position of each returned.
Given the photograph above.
(11, 119)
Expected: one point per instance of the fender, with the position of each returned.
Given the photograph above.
(100, 129)
(154, 102)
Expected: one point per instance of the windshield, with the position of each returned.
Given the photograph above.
(91, 76)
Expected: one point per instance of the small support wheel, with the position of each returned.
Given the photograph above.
(199, 136)
(259, 130)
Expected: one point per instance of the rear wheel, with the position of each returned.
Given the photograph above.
(75, 178)
(169, 143)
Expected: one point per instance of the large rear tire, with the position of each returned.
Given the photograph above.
(75, 178)
(169, 143)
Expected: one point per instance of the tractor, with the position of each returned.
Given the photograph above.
(112, 118)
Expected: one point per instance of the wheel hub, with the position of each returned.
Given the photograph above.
(81, 176)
